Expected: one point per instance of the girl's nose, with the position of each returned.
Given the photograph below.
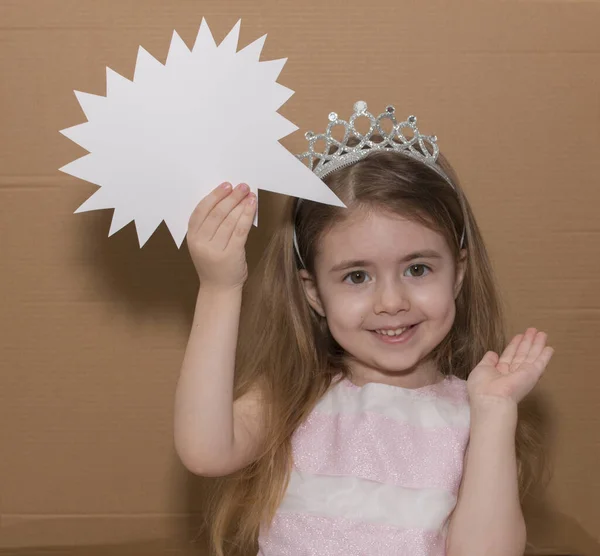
(391, 298)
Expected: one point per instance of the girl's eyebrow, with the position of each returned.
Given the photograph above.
(424, 254)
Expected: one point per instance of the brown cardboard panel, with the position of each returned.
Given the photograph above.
(127, 549)
(149, 548)
(68, 45)
(148, 535)
(73, 533)
(93, 329)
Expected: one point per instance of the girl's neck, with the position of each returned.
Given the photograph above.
(425, 374)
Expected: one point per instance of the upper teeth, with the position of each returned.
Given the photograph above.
(396, 332)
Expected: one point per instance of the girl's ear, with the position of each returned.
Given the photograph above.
(461, 269)
(311, 291)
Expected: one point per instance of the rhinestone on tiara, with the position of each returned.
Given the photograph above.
(337, 154)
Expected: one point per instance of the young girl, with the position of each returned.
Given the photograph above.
(364, 408)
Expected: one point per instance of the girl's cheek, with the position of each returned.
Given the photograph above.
(358, 308)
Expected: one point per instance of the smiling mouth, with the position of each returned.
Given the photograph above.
(393, 333)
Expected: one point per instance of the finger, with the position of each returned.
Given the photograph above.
(544, 357)
(223, 234)
(244, 224)
(217, 215)
(207, 204)
(540, 364)
(539, 343)
(524, 347)
(509, 353)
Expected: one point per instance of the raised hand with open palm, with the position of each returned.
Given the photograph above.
(514, 373)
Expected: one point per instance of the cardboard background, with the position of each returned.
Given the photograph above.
(93, 329)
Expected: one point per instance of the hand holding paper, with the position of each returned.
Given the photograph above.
(160, 143)
(217, 234)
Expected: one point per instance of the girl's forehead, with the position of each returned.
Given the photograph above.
(380, 238)
(362, 229)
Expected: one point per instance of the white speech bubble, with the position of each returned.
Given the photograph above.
(160, 143)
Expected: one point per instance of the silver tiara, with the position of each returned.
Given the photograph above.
(338, 154)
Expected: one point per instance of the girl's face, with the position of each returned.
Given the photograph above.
(377, 270)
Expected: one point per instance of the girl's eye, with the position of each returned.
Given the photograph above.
(357, 274)
(418, 273)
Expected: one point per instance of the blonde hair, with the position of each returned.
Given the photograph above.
(286, 348)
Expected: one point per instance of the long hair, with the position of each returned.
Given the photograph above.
(286, 349)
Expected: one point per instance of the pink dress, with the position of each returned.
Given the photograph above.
(376, 473)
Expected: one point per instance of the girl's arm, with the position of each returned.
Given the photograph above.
(213, 435)
(487, 519)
